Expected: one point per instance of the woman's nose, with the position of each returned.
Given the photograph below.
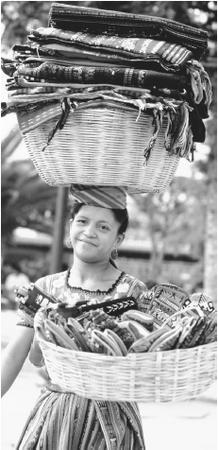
(90, 230)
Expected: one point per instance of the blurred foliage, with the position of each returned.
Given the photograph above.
(176, 221)
(26, 200)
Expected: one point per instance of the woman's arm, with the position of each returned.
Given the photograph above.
(14, 356)
(35, 354)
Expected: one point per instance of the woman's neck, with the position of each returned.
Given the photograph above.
(82, 273)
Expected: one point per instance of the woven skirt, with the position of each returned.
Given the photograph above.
(65, 421)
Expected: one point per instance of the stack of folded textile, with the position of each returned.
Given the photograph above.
(90, 58)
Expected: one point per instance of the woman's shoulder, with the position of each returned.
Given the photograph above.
(49, 281)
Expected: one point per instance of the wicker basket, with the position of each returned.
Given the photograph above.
(172, 375)
(98, 146)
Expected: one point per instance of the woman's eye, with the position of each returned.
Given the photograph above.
(81, 221)
(104, 228)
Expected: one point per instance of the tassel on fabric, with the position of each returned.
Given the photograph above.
(196, 85)
(191, 147)
(141, 103)
(207, 86)
(183, 138)
(157, 123)
(200, 83)
(167, 137)
(66, 106)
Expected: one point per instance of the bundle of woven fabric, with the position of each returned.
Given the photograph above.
(86, 54)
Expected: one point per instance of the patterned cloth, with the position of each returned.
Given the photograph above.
(170, 56)
(66, 421)
(145, 79)
(103, 196)
(75, 18)
(192, 83)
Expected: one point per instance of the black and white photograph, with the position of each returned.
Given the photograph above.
(108, 225)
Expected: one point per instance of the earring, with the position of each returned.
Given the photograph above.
(68, 242)
(114, 254)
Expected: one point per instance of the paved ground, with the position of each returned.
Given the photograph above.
(189, 425)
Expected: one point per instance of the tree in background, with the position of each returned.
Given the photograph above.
(26, 200)
(210, 241)
(176, 222)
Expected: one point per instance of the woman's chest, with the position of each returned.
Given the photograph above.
(71, 296)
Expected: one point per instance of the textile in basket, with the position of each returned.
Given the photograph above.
(68, 17)
(194, 82)
(144, 79)
(170, 56)
(35, 97)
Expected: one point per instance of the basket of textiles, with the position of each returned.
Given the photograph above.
(99, 101)
(108, 142)
(161, 353)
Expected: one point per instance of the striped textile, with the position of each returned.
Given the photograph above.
(74, 17)
(172, 54)
(105, 197)
(64, 421)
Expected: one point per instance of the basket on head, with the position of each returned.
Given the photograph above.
(172, 375)
(101, 144)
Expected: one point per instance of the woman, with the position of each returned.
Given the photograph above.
(60, 420)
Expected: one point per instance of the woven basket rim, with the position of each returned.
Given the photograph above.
(91, 104)
(130, 356)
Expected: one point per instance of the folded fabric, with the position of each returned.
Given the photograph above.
(196, 82)
(170, 55)
(102, 75)
(66, 52)
(105, 196)
(23, 92)
(25, 95)
(68, 55)
(22, 52)
(73, 17)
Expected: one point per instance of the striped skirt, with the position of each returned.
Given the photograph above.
(65, 421)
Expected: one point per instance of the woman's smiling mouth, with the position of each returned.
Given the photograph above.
(87, 242)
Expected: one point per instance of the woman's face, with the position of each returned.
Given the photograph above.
(94, 233)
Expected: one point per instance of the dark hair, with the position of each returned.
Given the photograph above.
(121, 215)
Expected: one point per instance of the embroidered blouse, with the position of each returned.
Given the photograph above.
(59, 287)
